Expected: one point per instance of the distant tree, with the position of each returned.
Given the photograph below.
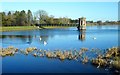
(118, 22)
(29, 17)
(73, 21)
(60, 20)
(11, 18)
(7, 19)
(65, 20)
(34, 20)
(107, 21)
(16, 14)
(50, 19)
(56, 20)
(99, 22)
(2, 18)
(22, 18)
(9, 13)
(41, 15)
(91, 21)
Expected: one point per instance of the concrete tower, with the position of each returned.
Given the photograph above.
(82, 23)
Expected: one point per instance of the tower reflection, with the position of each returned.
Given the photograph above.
(82, 35)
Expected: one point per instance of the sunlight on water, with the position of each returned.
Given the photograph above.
(101, 37)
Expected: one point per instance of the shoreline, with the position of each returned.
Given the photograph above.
(22, 28)
(17, 28)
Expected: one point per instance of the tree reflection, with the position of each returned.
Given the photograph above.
(99, 26)
(23, 38)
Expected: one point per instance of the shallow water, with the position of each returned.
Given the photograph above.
(101, 37)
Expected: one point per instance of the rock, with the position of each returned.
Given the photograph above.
(85, 60)
(16, 49)
(3, 55)
(41, 55)
(10, 47)
(48, 54)
(26, 52)
(62, 57)
(30, 49)
(35, 54)
(108, 55)
(99, 62)
(116, 64)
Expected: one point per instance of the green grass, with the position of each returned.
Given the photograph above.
(50, 27)
(17, 28)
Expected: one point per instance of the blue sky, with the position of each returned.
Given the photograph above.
(91, 10)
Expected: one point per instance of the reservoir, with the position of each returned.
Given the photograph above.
(100, 37)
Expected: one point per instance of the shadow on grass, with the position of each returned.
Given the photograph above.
(41, 27)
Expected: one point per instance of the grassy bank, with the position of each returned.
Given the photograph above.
(17, 28)
(51, 27)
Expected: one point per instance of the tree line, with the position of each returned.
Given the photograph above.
(23, 18)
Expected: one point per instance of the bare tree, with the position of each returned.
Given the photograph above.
(41, 15)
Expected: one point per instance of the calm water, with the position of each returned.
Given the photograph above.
(64, 39)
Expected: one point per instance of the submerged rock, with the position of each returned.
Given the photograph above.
(110, 58)
(49, 54)
(62, 57)
(116, 64)
(35, 54)
(8, 51)
(99, 62)
(85, 60)
(30, 49)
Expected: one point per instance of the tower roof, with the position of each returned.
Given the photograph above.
(82, 18)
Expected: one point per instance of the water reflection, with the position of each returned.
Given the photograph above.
(40, 39)
(20, 39)
(23, 39)
(29, 39)
(69, 39)
(99, 26)
(43, 39)
(82, 35)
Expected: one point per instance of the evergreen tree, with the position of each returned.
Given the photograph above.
(29, 18)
